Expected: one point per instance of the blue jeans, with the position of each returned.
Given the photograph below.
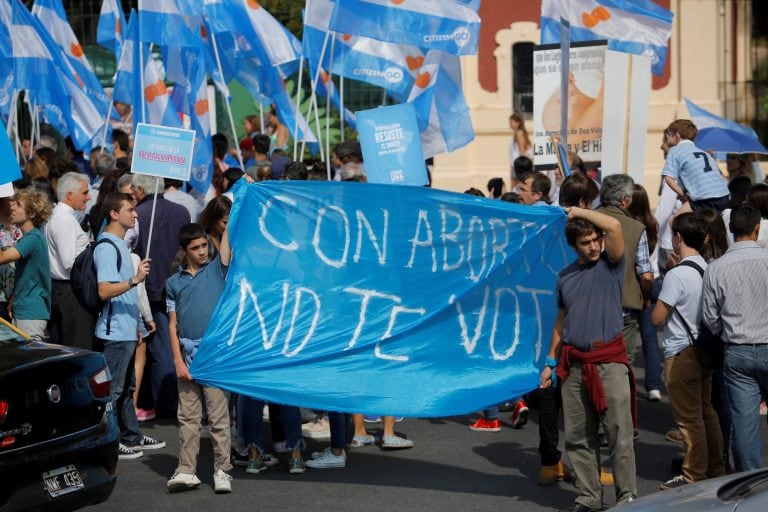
(119, 357)
(250, 414)
(746, 379)
(339, 428)
(651, 351)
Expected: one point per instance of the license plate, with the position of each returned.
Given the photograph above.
(61, 481)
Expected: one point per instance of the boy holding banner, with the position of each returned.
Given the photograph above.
(192, 294)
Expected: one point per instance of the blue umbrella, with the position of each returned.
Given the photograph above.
(723, 135)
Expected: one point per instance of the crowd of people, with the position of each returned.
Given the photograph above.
(697, 268)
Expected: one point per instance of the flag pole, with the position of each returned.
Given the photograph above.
(313, 82)
(141, 70)
(106, 127)
(229, 107)
(565, 65)
(296, 114)
(328, 104)
(341, 105)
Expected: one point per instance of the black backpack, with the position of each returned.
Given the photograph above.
(710, 349)
(84, 282)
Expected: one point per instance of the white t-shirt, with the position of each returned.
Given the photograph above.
(681, 289)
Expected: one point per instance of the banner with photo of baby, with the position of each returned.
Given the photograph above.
(585, 102)
(384, 299)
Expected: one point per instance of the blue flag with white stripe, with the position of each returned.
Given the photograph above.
(448, 25)
(632, 26)
(432, 305)
(722, 135)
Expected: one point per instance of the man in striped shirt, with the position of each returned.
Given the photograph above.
(733, 304)
(691, 172)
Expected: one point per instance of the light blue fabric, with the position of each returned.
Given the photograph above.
(383, 299)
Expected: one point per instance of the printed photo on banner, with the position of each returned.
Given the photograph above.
(163, 151)
(585, 102)
(389, 138)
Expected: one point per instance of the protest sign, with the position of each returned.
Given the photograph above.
(625, 123)
(585, 102)
(389, 138)
(163, 151)
(340, 298)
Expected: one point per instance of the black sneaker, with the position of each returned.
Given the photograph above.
(239, 460)
(673, 483)
(150, 443)
(128, 452)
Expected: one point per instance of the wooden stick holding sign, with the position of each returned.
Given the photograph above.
(162, 152)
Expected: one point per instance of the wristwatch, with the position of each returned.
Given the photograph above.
(132, 283)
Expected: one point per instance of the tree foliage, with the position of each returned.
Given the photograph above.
(287, 12)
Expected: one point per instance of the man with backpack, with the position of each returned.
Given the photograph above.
(117, 328)
(733, 303)
(689, 384)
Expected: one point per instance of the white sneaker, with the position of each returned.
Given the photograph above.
(328, 460)
(654, 395)
(317, 455)
(319, 428)
(182, 482)
(222, 482)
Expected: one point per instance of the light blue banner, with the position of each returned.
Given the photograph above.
(389, 138)
(379, 299)
(163, 151)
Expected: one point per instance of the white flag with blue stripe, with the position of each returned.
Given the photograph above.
(631, 26)
(109, 31)
(129, 88)
(52, 17)
(448, 25)
(386, 65)
(441, 109)
(68, 107)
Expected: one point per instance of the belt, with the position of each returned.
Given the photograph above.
(60, 280)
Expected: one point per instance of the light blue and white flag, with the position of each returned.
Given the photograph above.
(325, 86)
(67, 105)
(162, 22)
(130, 89)
(641, 27)
(432, 305)
(53, 18)
(109, 31)
(10, 170)
(6, 61)
(447, 25)
(721, 134)
(386, 65)
(276, 45)
(190, 96)
(441, 109)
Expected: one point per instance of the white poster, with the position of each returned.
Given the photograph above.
(585, 102)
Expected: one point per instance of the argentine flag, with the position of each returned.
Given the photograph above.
(451, 26)
(109, 32)
(631, 26)
(128, 86)
(386, 65)
(52, 17)
(721, 134)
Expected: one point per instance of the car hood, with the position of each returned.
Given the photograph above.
(743, 490)
(16, 354)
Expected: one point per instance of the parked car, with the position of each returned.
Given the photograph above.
(745, 492)
(58, 430)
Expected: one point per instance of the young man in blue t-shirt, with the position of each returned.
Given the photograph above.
(691, 172)
(30, 209)
(191, 297)
(117, 328)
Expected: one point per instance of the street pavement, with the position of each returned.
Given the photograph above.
(451, 468)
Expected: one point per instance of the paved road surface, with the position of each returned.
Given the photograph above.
(450, 469)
